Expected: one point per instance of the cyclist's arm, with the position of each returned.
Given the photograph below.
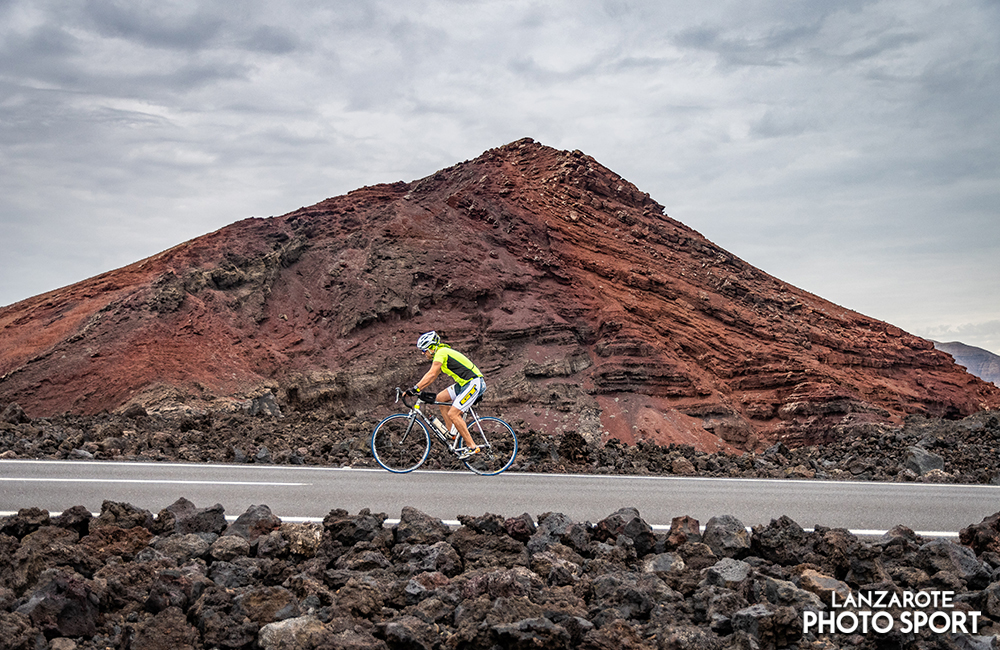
(431, 375)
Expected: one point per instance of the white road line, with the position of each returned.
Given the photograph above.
(149, 481)
(112, 463)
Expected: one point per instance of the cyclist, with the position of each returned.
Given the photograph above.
(468, 387)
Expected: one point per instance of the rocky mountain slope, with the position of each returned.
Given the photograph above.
(589, 309)
(982, 363)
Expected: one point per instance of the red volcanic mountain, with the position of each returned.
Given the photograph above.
(588, 309)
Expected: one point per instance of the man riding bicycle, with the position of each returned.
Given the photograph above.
(468, 387)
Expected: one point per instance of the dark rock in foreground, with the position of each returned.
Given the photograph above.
(184, 579)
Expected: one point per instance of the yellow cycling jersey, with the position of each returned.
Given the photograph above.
(456, 365)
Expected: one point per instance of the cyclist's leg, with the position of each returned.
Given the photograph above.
(462, 401)
(447, 395)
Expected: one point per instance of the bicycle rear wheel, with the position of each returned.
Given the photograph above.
(497, 444)
(400, 443)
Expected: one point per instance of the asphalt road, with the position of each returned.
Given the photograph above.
(309, 493)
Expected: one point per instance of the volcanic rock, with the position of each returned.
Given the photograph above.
(183, 517)
(588, 308)
(26, 521)
(602, 595)
(62, 604)
(168, 630)
(256, 521)
(14, 414)
(122, 515)
(417, 528)
(920, 461)
(292, 634)
(727, 536)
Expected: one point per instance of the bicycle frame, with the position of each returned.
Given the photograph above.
(453, 443)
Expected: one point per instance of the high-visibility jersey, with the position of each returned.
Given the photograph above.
(456, 365)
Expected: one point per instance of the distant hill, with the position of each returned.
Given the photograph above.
(982, 363)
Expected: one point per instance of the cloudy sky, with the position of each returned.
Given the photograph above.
(851, 148)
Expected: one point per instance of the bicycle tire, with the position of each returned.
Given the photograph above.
(498, 444)
(400, 443)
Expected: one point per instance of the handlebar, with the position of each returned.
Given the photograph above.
(401, 396)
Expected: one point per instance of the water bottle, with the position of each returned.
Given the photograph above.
(439, 425)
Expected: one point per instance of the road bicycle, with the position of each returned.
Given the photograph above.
(402, 442)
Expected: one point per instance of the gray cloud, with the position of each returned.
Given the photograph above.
(848, 148)
(986, 333)
(172, 25)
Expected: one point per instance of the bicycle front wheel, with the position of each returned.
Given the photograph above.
(400, 443)
(497, 444)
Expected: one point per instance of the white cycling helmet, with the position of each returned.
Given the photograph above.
(428, 341)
